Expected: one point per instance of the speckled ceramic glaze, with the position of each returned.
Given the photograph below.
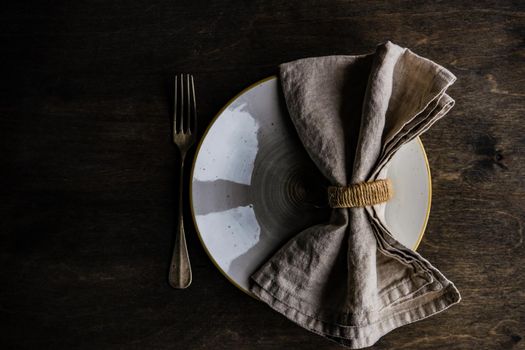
(254, 186)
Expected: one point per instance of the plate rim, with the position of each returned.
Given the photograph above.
(197, 151)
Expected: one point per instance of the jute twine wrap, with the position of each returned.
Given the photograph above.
(360, 195)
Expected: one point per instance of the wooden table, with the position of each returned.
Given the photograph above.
(88, 170)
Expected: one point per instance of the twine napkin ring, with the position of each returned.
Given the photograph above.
(360, 195)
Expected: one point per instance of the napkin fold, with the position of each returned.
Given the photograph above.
(348, 279)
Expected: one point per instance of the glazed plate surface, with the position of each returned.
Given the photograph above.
(253, 186)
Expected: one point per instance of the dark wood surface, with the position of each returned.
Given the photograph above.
(88, 171)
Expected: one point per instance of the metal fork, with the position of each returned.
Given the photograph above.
(184, 135)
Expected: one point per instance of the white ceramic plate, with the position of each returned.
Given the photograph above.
(253, 185)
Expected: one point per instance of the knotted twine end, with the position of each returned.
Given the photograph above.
(360, 195)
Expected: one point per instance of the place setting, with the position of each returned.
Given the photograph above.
(263, 175)
(310, 191)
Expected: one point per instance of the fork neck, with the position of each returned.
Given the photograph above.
(182, 152)
(181, 187)
(182, 159)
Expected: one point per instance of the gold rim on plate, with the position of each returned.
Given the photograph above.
(254, 85)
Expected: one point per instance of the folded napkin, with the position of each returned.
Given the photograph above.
(348, 279)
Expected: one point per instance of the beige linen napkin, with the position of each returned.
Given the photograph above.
(348, 279)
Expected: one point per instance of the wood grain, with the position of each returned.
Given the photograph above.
(88, 170)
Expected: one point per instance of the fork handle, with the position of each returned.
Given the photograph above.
(180, 268)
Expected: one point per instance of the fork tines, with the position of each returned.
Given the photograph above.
(184, 111)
